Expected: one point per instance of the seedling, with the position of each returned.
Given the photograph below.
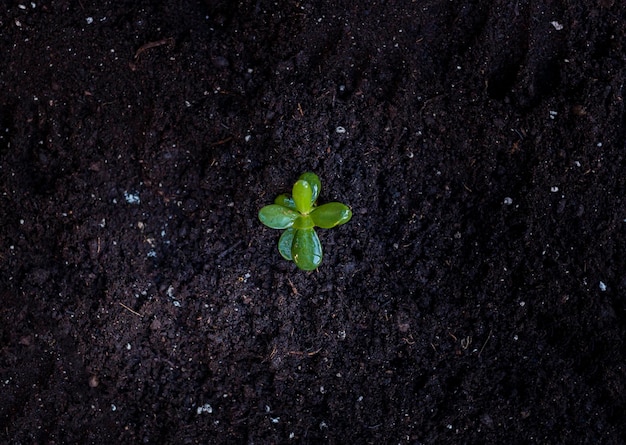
(299, 215)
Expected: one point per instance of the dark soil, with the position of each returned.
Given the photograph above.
(478, 296)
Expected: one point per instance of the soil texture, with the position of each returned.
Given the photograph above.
(477, 296)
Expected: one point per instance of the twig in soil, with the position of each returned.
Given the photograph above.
(308, 354)
(149, 45)
(485, 344)
(229, 250)
(129, 309)
(222, 141)
(293, 287)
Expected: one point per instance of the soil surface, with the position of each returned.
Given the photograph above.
(478, 296)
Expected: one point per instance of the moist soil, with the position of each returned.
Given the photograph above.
(477, 296)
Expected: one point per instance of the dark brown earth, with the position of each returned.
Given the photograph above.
(478, 296)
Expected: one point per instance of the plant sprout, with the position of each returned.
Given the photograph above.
(299, 215)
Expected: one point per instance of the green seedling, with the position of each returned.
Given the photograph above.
(299, 215)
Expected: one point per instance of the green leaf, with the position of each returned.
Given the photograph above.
(277, 216)
(314, 182)
(302, 193)
(306, 249)
(285, 201)
(303, 222)
(285, 242)
(330, 215)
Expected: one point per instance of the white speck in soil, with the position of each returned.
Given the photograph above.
(508, 201)
(206, 408)
(132, 198)
(602, 286)
(557, 25)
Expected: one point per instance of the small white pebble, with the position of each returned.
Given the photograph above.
(340, 130)
(89, 20)
(508, 201)
(602, 286)
(554, 189)
(557, 25)
(132, 198)
(206, 408)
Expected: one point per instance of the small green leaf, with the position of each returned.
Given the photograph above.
(306, 249)
(330, 215)
(302, 193)
(285, 242)
(285, 201)
(314, 182)
(303, 222)
(277, 216)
